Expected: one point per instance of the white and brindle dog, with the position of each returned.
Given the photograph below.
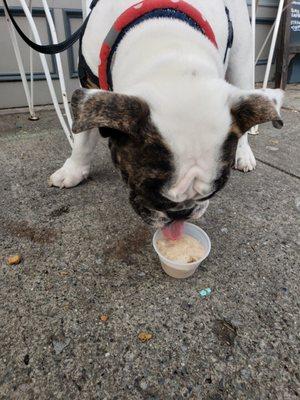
(177, 103)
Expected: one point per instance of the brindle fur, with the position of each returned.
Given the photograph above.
(255, 110)
(108, 110)
(146, 165)
(140, 153)
(137, 148)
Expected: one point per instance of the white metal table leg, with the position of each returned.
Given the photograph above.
(264, 45)
(47, 73)
(20, 63)
(254, 3)
(85, 7)
(32, 117)
(273, 43)
(59, 64)
(253, 24)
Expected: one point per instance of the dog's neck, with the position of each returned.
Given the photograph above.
(162, 51)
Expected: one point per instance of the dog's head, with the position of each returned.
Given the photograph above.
(174, 157)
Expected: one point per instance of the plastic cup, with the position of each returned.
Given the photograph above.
(177, 269)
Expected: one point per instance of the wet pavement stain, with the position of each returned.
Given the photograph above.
(22, 229)
(129, 245)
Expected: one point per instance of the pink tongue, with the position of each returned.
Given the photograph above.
(173, 231)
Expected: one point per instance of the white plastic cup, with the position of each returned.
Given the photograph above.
(177, 269)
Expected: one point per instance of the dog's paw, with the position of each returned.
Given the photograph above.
(244, 159)
(69, 175)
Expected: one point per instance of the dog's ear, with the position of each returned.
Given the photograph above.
(255, 107)
(97, 108)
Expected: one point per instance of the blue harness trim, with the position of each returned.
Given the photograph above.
(159, 13)
(164, 13)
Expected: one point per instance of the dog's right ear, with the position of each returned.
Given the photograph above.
(98, 108)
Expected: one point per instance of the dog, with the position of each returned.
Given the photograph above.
(173, 91)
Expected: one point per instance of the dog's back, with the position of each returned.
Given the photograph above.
(106, 12)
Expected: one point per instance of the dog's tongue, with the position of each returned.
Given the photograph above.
(173, 231)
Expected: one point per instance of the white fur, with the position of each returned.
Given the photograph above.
(181, 75)
(107, 11)
(77, 167)
(244, 158)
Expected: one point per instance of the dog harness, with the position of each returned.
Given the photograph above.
(149, 9)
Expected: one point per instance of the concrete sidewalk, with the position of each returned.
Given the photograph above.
(86, 254)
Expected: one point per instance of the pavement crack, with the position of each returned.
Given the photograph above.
(278, 168)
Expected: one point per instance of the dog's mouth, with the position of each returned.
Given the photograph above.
(168, 212)
(173, 230)
(163, 220)
(180, 215)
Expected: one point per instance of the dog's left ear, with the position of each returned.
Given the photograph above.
(98, 108)
(255, 107)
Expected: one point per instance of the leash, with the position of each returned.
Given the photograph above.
(51, 48)
(230, 34)
(60, 47)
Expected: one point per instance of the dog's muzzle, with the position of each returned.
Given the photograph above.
(160, 219)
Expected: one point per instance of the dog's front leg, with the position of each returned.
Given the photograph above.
(244, 157)
(240, 74)
(77, 167)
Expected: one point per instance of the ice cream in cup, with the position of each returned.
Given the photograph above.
(180, 257)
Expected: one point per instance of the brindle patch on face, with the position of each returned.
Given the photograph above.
(146, 165)
(137, 148)
(254, 110)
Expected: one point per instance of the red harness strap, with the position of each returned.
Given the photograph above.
(139, 10)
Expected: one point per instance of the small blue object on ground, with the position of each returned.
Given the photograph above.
(205, 292)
